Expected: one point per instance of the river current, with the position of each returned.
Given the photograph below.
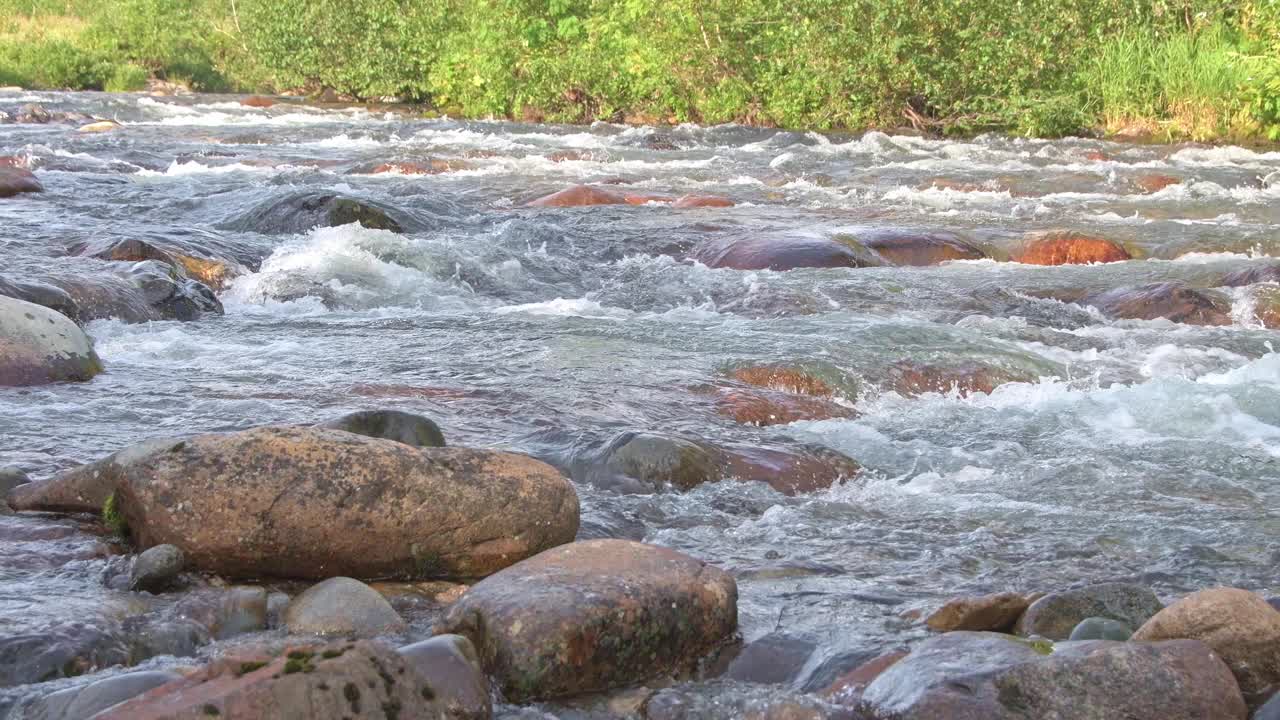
(1138, 450)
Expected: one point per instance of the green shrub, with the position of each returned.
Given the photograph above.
(126, 78)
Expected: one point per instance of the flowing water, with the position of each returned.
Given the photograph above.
(1140, 450)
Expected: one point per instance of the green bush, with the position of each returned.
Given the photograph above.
(126, 78)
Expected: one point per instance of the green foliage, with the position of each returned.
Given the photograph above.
(113, 517)
(126, 78)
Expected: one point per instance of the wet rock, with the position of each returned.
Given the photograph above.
(1101, 629)
(356, 681)
(775, 659)
(84, 702)
(910, 379)
(1170, 300)
(277, 603)
(919, 247)
(763, 408)
(785, 379)
(38, 346)
(1241, 627)
(1155, 182)
(657, 460)
(782, 253)
(301, 212)
(1270, 710)
(728, 700)
(1252, 275)
(594, 615)
(257, 101)
(171, 294)
(1055, 615)
(43, 294)
(11, 477)
(102, 126)
(996, 612)
(986, 676)
(217, 613)
(579, 196)
(792, 471)
(63, 651)
(242, 610)
(99, 297)
(451, 673)
(342, 606)
(15, 181)
(34, 114)
(155, 568)
(87, 487)
(433, 166)
(1069, 248)
(199, 264)
(848, 688)
(401, 427)
(701, 201)
(316, 503)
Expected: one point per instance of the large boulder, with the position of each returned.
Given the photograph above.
(580, 196)
(594, 615)
(998, 611)
(170, 293)
(363, 680)
(910, 378)
(452, 669)
(395, 425)
(87, 487)
(902, 246)
(1252, 275)
(38, 346)
(987, 676)
(783, 252)
(81, 703)
(342, 606)
(301, 212)
(1170, 300)
(317, 503)
(43, 294)
(16, 180)
(197, 263)
(1055, 615)
(1069, 248)
(1240, 626)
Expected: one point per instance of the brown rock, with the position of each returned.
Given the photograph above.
(1240, 626)
(1056, 614)
(1069, 248)
(317, 503)
(785, 379)
(212, 271)
(1155, 183)
(790, 472)
(764, 407)
(646, 198)
(434, 166)
(699, 201)
(101, 126)
(847, 689)
(17, 180)
(996, 612)
(919, 247)
(909, 378)
(594, 615)
(1252, 275)
(1170, 300)
(356, 681)
(39, 346)
(560, 156)
(1266, 305)
(257, 101)
(782, 253)
(579, 195)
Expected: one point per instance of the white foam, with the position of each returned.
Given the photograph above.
(562, 307)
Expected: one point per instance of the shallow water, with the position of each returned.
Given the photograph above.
(1139, 450)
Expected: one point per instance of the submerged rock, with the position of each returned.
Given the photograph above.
(394, 425)
(301, 212)
(775, 659)
(156, 568)
(316, 503)
(918, 247)
(1069, 248)
(987, 676)
(16, 180)
(57, 652)
(341, 606)
(1055, 615)
(786, 379)
(1268, 273)
(729, 700)
(171, 294)
(790, 471)
(594, 615)
(702, 201)
(39, 346)
(910, 379)
(42, 294)
(1241, 627)
(996, 612)
(257, 101)
(579, 196)
(1170, 300)
(657, 460)
(763, 407)
(86, 701)
(848, 688)
(782, 253)
(199, 264)
(1101, 629)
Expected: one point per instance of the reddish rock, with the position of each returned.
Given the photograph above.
(560, 156)
(213, 271)
(13, 161)
(790, 472)
(774, 377)
(1155, 183)
(910, 378)
(764, 407)
(1266, 306)
(996, 612)
(595, 615)
(697, 201)
(1069, 248)
(646, 198)
(578, 196)
(15, 180)
(912, 247)
(1170, 300)
(847, 689)
(257, 101)
(782, 253)
(434, 166)
(1096, 156)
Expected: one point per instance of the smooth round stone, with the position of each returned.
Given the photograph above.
(88, 700)
(342, 606)
(1096, 628)
(156, 567)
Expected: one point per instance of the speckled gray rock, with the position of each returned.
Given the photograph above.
(39, 346)
(1055, 615)
(453, 677)
(82, 703)
(342, 606)
(1101, 629)
(402, 427)
(989, 676)
(155, 568)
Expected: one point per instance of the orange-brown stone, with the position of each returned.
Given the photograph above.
(1069, 248)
